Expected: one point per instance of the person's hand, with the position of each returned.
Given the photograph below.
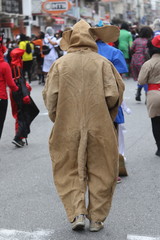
(28, 87)
(17, 89)
(128, 111)
(26, 100)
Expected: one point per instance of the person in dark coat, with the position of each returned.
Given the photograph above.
(24, 109)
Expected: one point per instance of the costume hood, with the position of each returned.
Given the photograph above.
(83, 36)
(16, 56)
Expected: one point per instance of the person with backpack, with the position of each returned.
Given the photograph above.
(27, 57)
(38, 43)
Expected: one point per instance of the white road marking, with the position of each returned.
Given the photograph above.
(6, 234)
(42, 114)
(134, 237)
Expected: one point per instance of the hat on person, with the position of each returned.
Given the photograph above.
(156, 41)
(16, 56)
(106, 33)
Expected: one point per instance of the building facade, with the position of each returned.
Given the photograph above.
(27, 16)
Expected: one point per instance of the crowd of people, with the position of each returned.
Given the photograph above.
(83, 72)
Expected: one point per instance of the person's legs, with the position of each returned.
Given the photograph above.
(41, 77)
(128, 65)
(138, 93)
(27, 66)
(3, 111)
(102, 166)
(67, 177)
(156, 132)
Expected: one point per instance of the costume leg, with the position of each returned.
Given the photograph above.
(71, 188)
(102, 166)
(3, 111)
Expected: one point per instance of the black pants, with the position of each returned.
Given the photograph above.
(3, 111)
(156, 130)
(27, 66)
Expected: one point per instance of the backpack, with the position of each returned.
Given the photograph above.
(28, 48)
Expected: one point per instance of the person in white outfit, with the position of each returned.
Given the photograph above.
(51, 57)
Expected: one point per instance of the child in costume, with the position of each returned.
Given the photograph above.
(24, 109)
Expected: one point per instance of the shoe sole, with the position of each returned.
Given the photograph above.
(119, 182)
(79, 226)
(17, 144)
(95, 229)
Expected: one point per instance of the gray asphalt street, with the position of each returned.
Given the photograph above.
(30, 208)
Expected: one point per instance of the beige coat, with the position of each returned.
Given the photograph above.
(82, 94)
(150, 73)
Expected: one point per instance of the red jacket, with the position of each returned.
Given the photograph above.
(6, 79)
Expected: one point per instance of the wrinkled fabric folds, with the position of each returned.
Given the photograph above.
(82, 93)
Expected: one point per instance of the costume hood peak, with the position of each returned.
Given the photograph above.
(83, 36)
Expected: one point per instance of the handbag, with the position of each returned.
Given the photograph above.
(46, 49)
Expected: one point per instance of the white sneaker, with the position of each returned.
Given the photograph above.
(95, 226)
(78, 223)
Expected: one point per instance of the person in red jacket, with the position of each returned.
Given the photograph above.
(5, 80)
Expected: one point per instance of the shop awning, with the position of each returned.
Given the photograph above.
(58, 20)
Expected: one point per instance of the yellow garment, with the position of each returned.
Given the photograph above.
(26, 56)
(82, 93)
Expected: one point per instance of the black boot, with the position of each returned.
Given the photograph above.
(40, 78)
(158, 149)
(138, 94)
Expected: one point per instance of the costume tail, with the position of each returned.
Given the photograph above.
(82, 157)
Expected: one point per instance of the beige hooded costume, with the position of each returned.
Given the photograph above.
(82, 94)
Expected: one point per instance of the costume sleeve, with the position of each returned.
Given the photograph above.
(144, 74)
(50, 92)
(119, 62)
(8, 78)
(113, 89)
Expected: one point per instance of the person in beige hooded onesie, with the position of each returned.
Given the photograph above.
(82, 93)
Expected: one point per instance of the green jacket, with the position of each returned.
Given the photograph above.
(125, 42)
